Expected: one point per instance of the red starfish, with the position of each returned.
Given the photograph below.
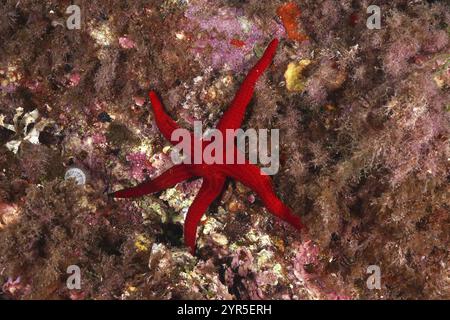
(214, 175)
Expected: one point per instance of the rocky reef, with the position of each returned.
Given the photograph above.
(364, 120)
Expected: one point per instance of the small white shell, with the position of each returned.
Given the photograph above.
(77, 174)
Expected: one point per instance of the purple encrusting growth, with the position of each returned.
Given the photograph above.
(214, 28)
(10, 88)
(140, 165)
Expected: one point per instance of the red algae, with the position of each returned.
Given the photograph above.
(289, 14)
(237, 43)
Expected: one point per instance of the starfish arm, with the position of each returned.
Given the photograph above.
(166, 180)
(232, 118)
(164, 122)
(251, 176)
(210, 189)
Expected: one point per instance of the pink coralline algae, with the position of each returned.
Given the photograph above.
(308, 257)
(140, 165)
(160, 162)
(126, 43)
(307, 254)
(15, 288)
(241, 274)
(74, 79)
(98, 139)
(139, 101)
(143, 165)
(225, 36)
